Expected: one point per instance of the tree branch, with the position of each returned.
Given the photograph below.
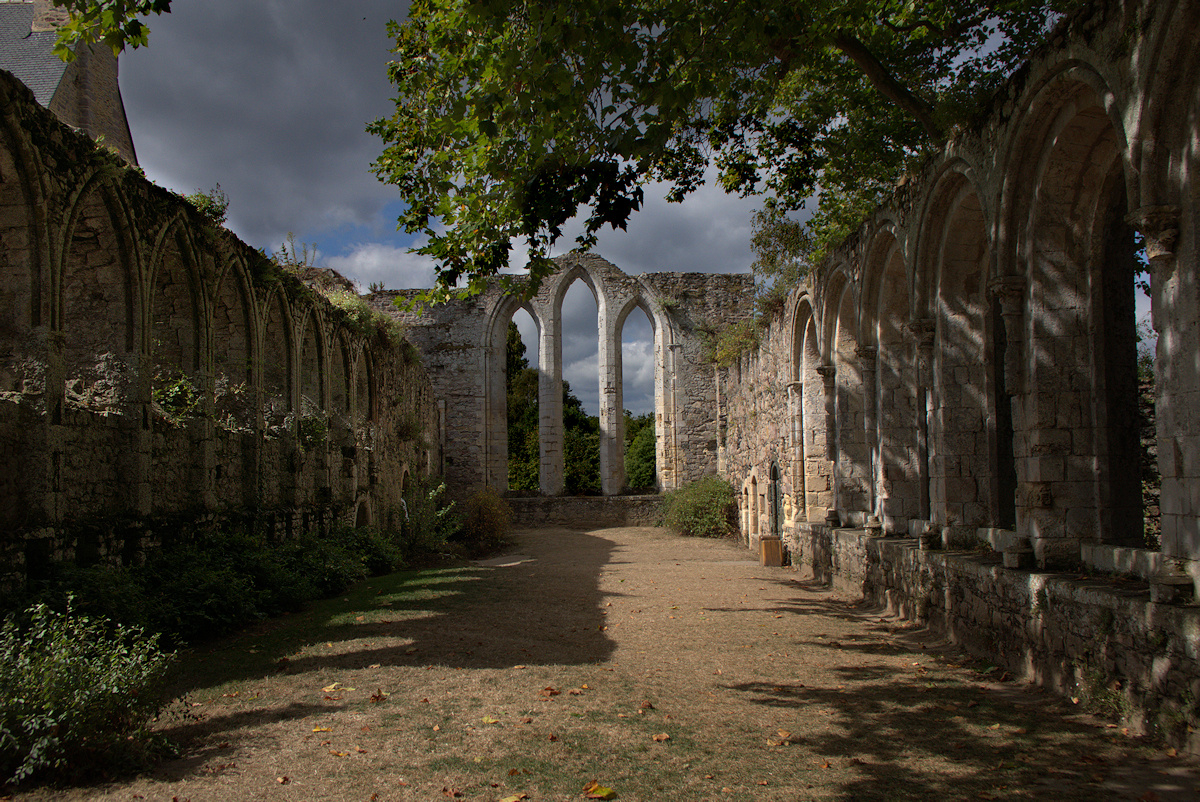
(883, 80)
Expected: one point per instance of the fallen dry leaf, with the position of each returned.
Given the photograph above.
(282, 780)
(515, 798)
(378, 696)
(322, 729)
(594, 790)
(339, 754)
(662, 736)
(490, 720)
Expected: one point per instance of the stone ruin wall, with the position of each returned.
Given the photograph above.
(287, 415)
(961, 373)
(463, 345)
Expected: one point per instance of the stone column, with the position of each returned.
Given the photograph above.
(612, 413)
(867, 364)
(795, 394)
(921, 332)
(550, 408)
(1176, 318)
(1010, 291)
(829, 378)
(828, 375)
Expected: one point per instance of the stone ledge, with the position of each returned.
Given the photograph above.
(1141, 563)
(585, 511)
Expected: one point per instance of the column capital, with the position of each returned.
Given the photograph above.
(1009, 289)
(921, 330)
(1160, 227)
(827, 372)
(866, 353)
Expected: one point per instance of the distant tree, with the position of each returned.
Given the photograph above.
(639, 458)
(581, 432)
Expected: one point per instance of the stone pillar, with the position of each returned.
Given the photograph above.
(828, 375)
(550, 408)
(722, 424)
(921, 332)
(1175, 315)
(829, 378)
(867, 364)
(1010, 291)
(795, 394)
(612, 413)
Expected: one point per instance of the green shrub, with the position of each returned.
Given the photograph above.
(72, 689)
(485, 521)
(429, 519)
(379, 552)
(703, 508)
(330, 565)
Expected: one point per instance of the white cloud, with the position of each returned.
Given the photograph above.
(394, 267)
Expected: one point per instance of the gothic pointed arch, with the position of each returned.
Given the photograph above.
(1076, 253)
(99, 306)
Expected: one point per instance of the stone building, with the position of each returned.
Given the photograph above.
(159, 376)
(968, 359)
(84, 94)
(463, 346)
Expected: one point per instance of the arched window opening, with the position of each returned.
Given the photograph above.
(638, 400)
(580, 391)
(521, 385)
(1147, 399)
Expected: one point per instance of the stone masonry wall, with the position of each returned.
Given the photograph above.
(159, 377)
(1088, 637)
(463, 344)
(961, 373)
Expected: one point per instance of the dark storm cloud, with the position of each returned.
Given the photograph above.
(270, 99)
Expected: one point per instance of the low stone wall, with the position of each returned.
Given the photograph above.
(1087, 636)
(585, 511)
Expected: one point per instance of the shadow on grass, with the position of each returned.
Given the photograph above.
(541, 611)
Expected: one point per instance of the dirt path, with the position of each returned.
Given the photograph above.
(663, 668)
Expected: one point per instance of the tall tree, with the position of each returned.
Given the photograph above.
(511, 115)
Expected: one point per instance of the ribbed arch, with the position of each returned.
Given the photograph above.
(275, 368)
(23, 259)
(99, 292)
(313, 362)
(175, 313)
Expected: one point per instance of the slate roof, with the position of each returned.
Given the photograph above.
(29, 56)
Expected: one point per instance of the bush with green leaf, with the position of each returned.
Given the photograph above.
(485, 521)
(428, 518)
(72, 689)
(704, 508)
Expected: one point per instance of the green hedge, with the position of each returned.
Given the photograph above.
(704, 508)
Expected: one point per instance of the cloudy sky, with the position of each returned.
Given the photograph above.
(270, 100)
